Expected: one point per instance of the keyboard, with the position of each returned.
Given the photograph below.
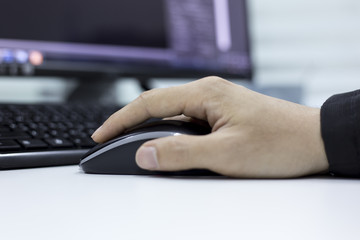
(39, 135)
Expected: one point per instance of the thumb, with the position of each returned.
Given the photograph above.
(173, 153)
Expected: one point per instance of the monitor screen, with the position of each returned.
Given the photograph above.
(127, 37)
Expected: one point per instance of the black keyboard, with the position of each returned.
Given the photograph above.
(38, 135)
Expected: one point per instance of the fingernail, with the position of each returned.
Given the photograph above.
(146, 158)
(96, 132)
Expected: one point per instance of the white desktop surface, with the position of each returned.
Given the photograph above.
(64, 203)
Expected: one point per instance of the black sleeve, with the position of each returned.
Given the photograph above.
(340, 130)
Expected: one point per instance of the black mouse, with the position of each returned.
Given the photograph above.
(117, 156)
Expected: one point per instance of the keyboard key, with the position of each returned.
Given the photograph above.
(9, 145)
(59, 142)
(91, 125)
(13, 135)
(39, 134)
(84, 142)
(33, 143)
(33, 125)
(4, 129)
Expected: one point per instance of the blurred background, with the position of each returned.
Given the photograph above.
(311, 43)
(311, 46)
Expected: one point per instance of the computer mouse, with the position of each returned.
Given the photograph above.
(117, 156)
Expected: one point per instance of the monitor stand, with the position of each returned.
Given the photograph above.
(100, 89)
(94, 90)
(144, 83)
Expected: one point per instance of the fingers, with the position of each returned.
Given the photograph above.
(175, 153)
(157, 103)
(187, 99)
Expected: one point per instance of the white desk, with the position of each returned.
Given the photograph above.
(64, 203)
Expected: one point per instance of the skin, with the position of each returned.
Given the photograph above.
(253, 135)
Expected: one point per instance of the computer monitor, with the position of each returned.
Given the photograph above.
(127, 37)
(107, 39)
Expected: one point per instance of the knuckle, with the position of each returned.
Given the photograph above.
(214, 80)
(144, 96)
(213, 84)
(145, 101)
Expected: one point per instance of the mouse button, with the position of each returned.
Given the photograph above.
(174, 126)
(103, 145)
(159, 125)
(188, 127)
(192, 128)
(145, 127)
(116, 161)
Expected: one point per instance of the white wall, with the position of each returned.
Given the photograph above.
(311, 41)
(320, 33)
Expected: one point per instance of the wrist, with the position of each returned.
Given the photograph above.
(320, 162)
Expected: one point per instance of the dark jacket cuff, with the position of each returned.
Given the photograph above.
(340, 130)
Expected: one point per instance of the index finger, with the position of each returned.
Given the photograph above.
(156, 103)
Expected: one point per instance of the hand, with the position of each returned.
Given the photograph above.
(253, 135)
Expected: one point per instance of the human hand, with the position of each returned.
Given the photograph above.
(253, 135)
